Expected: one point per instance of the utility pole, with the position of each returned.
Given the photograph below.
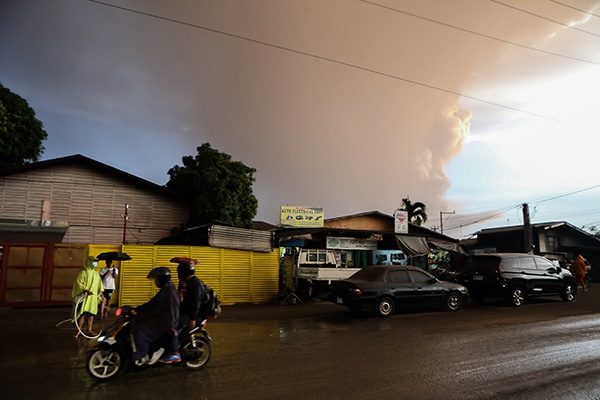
(527, 229)
(442, 220)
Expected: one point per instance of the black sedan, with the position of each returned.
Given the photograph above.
(382, 288)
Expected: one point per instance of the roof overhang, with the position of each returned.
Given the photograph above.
(36, 231)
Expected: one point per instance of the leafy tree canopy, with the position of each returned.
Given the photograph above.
(21, 133)
(417, 211)
(220, 189)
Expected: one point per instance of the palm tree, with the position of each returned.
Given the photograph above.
(417, 212)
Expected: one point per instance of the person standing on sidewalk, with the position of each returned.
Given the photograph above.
(109, 274)
(579, 269)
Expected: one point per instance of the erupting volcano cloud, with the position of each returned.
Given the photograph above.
(346, 105)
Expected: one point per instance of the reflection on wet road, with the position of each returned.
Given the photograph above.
(546, 350)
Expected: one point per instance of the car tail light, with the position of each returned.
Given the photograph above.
(355, 291)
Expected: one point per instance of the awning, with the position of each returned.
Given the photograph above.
(32, 231)
(448, 246)
(412, 245)
(295, 240)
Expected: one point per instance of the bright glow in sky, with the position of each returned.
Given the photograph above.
(469, 106)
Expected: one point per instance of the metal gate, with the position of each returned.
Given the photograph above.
(38, 274)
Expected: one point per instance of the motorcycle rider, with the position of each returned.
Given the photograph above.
(191, 290)
(157, 318)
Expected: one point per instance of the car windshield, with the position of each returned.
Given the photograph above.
(368, 274)
(482, 264)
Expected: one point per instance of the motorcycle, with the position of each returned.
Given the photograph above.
(111, 353)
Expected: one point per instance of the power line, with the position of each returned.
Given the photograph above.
(545, 18)
(567, 194)
(479, 34)
(514, 207)
(575, 8)
(486, 218)
(323, 58)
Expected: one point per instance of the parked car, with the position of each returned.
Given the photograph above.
(516, 276)
(382, 288)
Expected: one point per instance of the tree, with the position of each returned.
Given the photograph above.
(21, 133)
(417, 212)
(220, 190)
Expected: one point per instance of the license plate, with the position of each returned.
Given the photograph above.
(340, 300)
(478, 278)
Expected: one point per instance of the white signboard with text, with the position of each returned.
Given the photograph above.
(400, 221)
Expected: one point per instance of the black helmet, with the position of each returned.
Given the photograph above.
(162, 273)
(185, 269)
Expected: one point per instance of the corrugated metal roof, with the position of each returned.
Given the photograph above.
(80, 159)
(238, 238)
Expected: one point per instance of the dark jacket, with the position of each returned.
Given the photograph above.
(155, 318)
(192, 293)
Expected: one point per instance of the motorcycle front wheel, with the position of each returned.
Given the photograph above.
(103, 364)
(195, 354)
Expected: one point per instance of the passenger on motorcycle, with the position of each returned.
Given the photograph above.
(158, 318)
(191, 290)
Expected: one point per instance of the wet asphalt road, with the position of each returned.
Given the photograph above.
(546, 349)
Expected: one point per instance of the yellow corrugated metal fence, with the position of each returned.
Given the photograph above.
(237, 276)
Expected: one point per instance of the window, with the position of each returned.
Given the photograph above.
(319, 257)
(553, 242)
(399, 276)
(527, 263)
(510, 264)
(419, 277)
(542, 263)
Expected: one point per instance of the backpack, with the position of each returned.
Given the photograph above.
(211, 305)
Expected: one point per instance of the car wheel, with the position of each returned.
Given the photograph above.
(385, 307)
(517, 297)
(568, 293)
(453, 302)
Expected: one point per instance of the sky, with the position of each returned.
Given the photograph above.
(473, 107)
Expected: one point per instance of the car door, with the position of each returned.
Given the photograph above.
(552, 282)
(429, 289)
(533, 278)
(401, 286)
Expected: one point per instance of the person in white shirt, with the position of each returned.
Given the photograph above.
(109, 274)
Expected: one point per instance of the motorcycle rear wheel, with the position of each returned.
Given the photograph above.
(104, 364)
(196, 354)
